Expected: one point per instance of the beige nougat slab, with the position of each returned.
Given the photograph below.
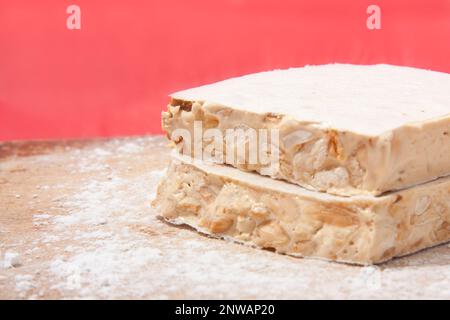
(258, 211)
(344, 129)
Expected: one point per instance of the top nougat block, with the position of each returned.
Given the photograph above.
(343, 129)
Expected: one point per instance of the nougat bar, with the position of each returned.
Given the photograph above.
(248, 208)
(343, 129)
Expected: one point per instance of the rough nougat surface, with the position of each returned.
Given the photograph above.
(258, 211)
(344, 129)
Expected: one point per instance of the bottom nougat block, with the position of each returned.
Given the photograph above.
(258, 211)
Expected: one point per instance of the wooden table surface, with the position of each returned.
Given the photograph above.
(76, 222)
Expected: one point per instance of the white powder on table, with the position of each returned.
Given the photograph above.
(11, 260)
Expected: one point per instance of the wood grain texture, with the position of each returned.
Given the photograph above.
(76, 222)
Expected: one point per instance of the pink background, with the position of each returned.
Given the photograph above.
(113, 76)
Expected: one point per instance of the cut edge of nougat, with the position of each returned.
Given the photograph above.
(330, 160)
(203, 231)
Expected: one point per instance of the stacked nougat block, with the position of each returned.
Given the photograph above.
(362, 170)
